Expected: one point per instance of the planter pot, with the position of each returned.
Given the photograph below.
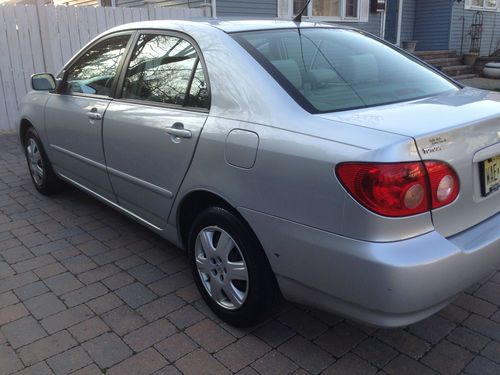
(410, 45)
(470, 58)
(492, 70)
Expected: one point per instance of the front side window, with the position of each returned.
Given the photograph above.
(166, 69)
(94, 72)
(330, 69)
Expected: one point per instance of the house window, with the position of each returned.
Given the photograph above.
(328, 9)
(484, 4)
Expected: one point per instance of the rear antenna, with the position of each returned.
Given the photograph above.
(298, 17)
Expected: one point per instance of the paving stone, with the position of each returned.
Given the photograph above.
(69, 361)
(176, 346)
(66, 253)
(475, 305)
(107, 350)
(17, 281)
(105, 303)
(209, 335)
(160, 307)
(63, 283)
(468, 339)
(274, 333)
(143, 363)
(242, 353)
(340, 339)
(189, 293)
(12, 312)
(33, 263)
(168, 370)
(50, 270)
(7, 299)
(185, 317)
(432, 329)
(375, 352)
(41, 368)
(303, 323)
(16, 254)
(170, 284)
(50, 247)
(33, 239)
(307, 355)
(200, 362)
(274, 363)
(447, 358)
(118, 280)
(23, 331)
(489, 292)
(483, 326)
(84, 294)
(46, 347)
(66, 318)
(98, 274)
(407, 366)
(135, 295)
(111, 256)
(482, 366)
(352, 365)
(146, 273)
(79, 264)
(88, 329)
(175, 265)
(403, 342)
(44, 305)
(492, 351)
(6, 270)
(31, 290)
(92, 248)
(149, 335)
(123, 320)
(89, 370)
(129, 262)
(8, 360)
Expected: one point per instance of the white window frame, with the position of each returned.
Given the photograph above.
(468, 5)
(362, 16)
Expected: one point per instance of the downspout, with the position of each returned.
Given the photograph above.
(214, 8)
(382, 24)
(400, 20)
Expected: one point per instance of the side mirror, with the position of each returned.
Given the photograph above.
(43, 82)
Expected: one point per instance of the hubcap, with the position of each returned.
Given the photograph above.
(35, 161)
(222, 268)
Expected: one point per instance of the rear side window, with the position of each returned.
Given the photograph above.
(326, 69)
(166, 69)
(94, 72)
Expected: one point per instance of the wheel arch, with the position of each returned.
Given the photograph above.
(24, 125)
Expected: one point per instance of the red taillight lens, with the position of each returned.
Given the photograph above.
(443, 181)
(399, 189)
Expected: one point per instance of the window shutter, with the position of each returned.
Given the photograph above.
(364, 10)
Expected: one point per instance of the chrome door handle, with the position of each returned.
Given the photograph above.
(177, 130)
(93, 115)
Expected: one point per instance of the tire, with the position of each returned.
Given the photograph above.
(41, 172)
(223, 251)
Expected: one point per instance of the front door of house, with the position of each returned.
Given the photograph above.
(391, 21)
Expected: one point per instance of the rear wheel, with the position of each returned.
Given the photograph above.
(42, 174)
(230, 268)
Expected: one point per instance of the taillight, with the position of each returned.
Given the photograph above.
(400, 189)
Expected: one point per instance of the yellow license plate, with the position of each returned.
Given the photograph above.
(491, 175)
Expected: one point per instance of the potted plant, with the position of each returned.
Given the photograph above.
(470, 58)
(410, 45)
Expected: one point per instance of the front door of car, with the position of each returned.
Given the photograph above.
(151, 129)
(74, 118)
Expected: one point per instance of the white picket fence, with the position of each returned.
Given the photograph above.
(41, 38)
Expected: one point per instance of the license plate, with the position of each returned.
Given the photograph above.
(490, 176)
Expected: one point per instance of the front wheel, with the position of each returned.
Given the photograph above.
(230, 268)
(42, 174)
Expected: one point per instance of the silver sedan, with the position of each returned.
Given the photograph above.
(303, 160)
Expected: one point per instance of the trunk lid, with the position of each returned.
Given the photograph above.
(462, 129)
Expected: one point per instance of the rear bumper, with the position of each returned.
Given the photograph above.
(385, 284)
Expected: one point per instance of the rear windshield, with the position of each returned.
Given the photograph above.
(328, 70)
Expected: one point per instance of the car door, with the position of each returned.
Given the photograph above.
(151, 129)
(74, 117)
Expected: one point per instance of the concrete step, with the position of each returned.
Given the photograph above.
(457, 70)
(465, 76)
(427, 55)
(445, 61)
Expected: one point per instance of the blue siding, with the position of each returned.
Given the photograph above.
(462, 20)
(408, 20)
(243, 8)
(432, 24)
(372, 26)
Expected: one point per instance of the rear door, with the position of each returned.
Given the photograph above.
(151, 129)
(74, 117)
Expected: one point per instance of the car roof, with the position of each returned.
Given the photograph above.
(226, 25)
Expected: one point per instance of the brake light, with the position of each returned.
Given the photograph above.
(400, 189)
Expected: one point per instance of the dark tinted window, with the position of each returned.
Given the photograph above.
(328, 69)
(95, 71)
(161, 69)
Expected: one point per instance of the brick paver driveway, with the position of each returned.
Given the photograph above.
(85, 290)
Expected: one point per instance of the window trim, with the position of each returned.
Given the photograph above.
(469, 6)
(341, 18)
(75, 58)
(121, 79)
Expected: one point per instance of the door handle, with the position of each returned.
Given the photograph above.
(94, 115)
(177, 130)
